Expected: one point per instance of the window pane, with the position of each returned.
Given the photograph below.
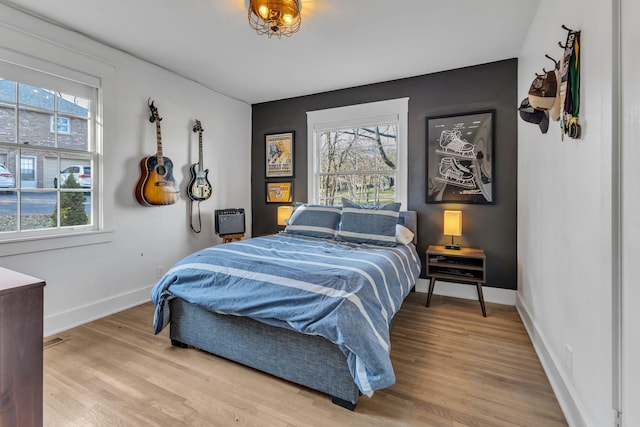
(35, 96)
(48, 169)
(7, 90)
(8, 211)
(74, 133)
(359, 164)
(74, 105)
(34, 128)
(75, 172)
(7, 124)
(75, 208)
(36, 210)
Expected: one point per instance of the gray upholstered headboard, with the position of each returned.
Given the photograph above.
(410, 220)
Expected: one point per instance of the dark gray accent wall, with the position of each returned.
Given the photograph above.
(484, 87)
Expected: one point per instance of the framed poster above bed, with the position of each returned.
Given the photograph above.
(460, 158)
(279, 155)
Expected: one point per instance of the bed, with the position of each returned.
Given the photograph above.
(311, 310)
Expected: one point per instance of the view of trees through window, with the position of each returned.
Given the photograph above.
(358, 164)
(45, 170)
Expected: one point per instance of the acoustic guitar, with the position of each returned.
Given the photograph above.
(156, 185)
(199, 187)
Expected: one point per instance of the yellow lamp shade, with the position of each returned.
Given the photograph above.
(452, 223)
(284, 212)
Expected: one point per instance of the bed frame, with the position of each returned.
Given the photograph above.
(308, 360)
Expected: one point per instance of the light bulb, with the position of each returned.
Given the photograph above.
(263, 11)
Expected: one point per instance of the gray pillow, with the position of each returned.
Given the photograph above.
(374, 225)
(314, 221)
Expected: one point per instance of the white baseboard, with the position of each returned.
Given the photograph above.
(566, 395)
(459, 290)
(77, 316)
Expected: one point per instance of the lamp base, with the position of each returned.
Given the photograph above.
(455, 247)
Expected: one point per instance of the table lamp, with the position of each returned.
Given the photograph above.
(453, 227)
(284, 212)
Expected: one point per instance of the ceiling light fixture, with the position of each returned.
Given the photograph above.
(275, 17)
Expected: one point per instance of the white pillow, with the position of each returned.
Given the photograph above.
(404, 236)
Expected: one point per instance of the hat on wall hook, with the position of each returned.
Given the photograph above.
(544, 90)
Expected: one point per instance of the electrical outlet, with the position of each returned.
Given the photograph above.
(159, 271)
(568, 359)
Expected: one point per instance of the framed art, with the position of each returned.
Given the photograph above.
(279, 155)
(280, 192)
(460, 158)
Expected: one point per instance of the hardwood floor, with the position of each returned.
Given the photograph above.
(453, 368)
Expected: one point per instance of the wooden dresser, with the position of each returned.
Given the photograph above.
(21, 312)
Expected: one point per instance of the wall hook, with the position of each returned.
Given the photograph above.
(556, 64)
(564, 27)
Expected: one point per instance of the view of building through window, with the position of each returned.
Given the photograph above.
(358, 164)
(46, 154)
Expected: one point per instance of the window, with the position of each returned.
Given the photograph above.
(48, 148)
(359, 152)
(63, 125)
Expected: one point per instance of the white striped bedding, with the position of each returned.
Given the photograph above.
(347, 293)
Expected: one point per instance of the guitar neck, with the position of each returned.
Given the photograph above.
(200, 167)
(159, 138)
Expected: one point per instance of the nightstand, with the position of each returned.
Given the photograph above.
(466, 265)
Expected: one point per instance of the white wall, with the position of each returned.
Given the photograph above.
(565, 216)
(630, 212)
(87, 282)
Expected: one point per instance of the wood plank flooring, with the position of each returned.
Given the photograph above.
(453, 368)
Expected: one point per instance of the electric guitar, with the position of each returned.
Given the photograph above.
(156, 185)
(199, 187)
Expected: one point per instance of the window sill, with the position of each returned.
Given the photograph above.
(49, 243)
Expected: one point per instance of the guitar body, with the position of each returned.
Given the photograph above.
(157, 185)
(199, 187)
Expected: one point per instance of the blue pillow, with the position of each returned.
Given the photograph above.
(374, 225)
(314, 221)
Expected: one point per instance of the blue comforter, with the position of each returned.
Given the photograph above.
(346, 293)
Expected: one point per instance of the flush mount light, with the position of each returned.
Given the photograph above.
(275, 17)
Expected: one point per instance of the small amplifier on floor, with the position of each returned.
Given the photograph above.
(229, 221)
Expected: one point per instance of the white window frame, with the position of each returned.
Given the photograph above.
(43, 61)
(354, 116)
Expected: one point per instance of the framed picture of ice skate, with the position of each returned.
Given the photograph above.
(460, 158)
(280, 192)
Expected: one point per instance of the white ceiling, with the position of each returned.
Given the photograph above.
(341, 43)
